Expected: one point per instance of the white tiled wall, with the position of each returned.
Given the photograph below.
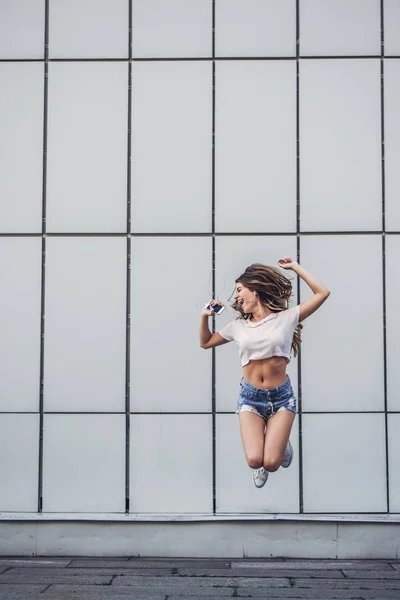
(344, 463)
(85, 325)
(87, 139)
(22, 29)
(158, 179)
(20, 465)
(20, 270)
(392, 143)
(255, 28)
(169, 371)
(394, 479)
(340, 145)
(342, 352)
(89, 471)
(391, 11)
(21, 126)
(171, 156)
(339, 28)
(255, 158)
(392, 321)
(172, 28)
(171, 464)
(88, 29)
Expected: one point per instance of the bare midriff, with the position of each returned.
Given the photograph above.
(267, 373)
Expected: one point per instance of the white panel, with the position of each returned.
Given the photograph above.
(85, 324)
(391, 12)
(87, 147)
(232, 256)
(344, 464)
(20, 284)
(392, 144)
(172, 146)
(392, 321)
(171, 464)
(342, 27)
(394, 471)
(340, 139)
(89, 29)
(19, 447)
(255, 28)
(172, 28)
(236, 492)
(22, 28)
(21, 154)
(171, 281)
(255, 146)
(84, 463)
(342, 355)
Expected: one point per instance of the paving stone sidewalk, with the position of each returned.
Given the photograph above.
(49, 578)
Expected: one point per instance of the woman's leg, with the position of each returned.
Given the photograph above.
(276, 438)
(252, 432)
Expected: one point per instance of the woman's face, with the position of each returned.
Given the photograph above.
(245, 298)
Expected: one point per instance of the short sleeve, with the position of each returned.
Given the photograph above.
(228, 332)
(291, 316)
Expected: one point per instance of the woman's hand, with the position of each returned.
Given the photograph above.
(287, 263)
(209, 313)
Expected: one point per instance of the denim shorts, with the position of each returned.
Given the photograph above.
(266, 403)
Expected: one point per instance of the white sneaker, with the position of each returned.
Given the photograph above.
(287, 461)
(260, 477)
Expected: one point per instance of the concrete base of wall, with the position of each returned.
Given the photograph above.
(229, 538)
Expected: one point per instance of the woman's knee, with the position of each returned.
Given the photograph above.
(272, 463)
(254, 461)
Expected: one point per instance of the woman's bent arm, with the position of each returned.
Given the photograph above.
(208, 339)
(205, 333)
(321, 292)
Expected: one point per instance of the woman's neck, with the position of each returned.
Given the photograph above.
(260, 312)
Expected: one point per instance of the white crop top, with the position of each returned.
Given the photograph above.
(272, 336)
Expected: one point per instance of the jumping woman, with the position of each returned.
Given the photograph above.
(266, 331)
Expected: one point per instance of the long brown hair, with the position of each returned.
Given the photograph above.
(274, 291)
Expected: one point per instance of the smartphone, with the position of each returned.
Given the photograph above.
(218, 309)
